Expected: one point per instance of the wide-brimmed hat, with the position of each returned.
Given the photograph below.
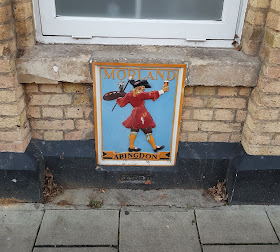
(138, 83)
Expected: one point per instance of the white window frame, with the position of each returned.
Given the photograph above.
(53, 29)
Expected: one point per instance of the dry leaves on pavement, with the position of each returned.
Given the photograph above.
(219, 192)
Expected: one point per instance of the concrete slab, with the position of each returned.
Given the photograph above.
(185, 198)
(22, 207)
(36, 65)
(274, 216)
(79, 227)
(18, 230)
(76, 249)
(158, 232)
(230, 226)
(242, 248)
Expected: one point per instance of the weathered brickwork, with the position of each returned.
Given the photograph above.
(65, 112)
(14, 126)
(60, 112)
(24, 24)
(261, 132)
(213, 114)
(253, 29)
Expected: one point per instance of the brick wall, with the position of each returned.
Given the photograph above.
(14, 126)
(261, 135)
(60, 112)
(65, 112)
(213, 114)
(24, 24)
(253, 29)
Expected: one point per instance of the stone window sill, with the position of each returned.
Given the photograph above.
(50, 64)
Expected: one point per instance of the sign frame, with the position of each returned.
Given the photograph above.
(137, 158)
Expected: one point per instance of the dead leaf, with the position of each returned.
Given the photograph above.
(148, 182)
(50, 189)
(219, 192)
(164, 196)
(238, 48)
(64, 203)
(102, 190)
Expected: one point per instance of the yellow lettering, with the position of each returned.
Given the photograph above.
(118, 74)
(132, 75)
(150, 75)
(109, 76)
(160, 74)
(168, 73)
(128, 155)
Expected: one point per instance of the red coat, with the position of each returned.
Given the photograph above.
(140, 118)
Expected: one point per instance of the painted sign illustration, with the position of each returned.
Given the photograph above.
(137, 113)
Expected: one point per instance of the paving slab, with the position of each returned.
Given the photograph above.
(233, 226)
(274, 216)
(22, 207)
(77, 249)
(18, 230)
(158, 232)
(79, 227)
(241, 248)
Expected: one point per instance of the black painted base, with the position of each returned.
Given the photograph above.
(250, 179)
(22, 175)
(198, 166)
(254, 179)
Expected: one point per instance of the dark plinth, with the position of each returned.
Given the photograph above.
(22, 175)
(254, 179)
(73, 165)
(250, 179)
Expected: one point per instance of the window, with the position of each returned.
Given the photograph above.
(181, 20)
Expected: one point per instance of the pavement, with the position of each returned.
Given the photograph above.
(136, 221)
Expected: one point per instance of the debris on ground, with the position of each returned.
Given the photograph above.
(148, 182)
(9, 201)
(163, 196)
(219, 192)
(102, 190)
(50, 189)
(123, 203)
(94, 203)
(64, 203)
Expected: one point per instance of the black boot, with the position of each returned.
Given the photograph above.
(134, 150)
(159, 148)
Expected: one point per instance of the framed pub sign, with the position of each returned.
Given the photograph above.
(137, 113)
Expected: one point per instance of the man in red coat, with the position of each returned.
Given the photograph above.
(140, 118)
